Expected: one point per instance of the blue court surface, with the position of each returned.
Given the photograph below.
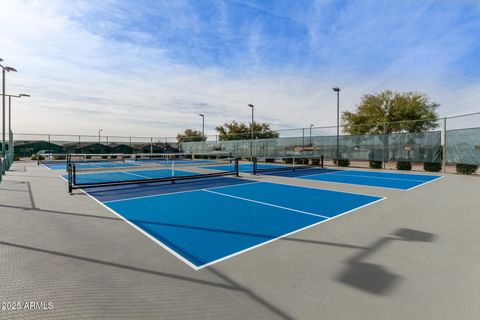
(390, 180)
(89, 165)
(62, 165)
(170, 161)
(243, 167)
(206, 221)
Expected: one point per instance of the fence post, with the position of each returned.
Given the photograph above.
(49, 146)
(303, 139)
(444, 153)
(151, 145)
(79, 144)
(384, 144)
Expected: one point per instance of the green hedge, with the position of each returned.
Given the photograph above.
(342, 162)
(466, 168)
(404, 165)
(375, 164)
(432, 166)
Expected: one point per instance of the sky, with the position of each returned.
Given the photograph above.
(148, 68)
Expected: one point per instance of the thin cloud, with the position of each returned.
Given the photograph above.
(148, 68)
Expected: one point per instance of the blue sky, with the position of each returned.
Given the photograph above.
(149, 67)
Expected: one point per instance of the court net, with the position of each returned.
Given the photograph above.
(64, 158)
(290, 163)
(169, 157)
(53, 159)
(87, 175)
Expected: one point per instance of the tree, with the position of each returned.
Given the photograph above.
(242, 131)
(190, 135)
(400, 111)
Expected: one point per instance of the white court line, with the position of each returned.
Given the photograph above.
(137, 175)
(86, 164)
(48, 167)
(316, 188)
(356, 184)
(422, 184)
(284, 235)
(374, 177)
(177, 192)
(265, 203)
(164, 246)
(193, 266)
(366, 185)
(235, 185)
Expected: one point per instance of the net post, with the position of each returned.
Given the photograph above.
(237, 170)
(321, 161)
(69, 174)
(68, 158)
(74, 173)
(254, 164)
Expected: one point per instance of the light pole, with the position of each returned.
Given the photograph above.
(337, 90)
(311, 125)
(203, 125)
(251, 131)
(4, 70)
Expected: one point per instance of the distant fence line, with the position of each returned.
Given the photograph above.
(28, 144)
(455, 140)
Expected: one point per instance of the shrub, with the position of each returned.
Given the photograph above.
(269, 160)
(432, 166)
(375, 164)
(466, 168)
(288, 160)
(404, 165)
(16, 158)
(342, 162)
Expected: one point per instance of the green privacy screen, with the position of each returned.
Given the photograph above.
(418, 147)
(463, 146)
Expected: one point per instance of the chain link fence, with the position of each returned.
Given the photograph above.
(446, 141)
(28, 144)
